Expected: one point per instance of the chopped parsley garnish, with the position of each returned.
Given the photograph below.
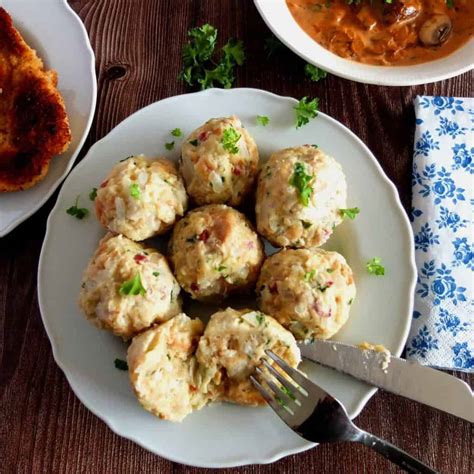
(156, 274)
(169, 146)
(288, 392)
(375, 266)
(308, 276)
(306, 110)
(260, 318)
(93, 194)
(199, 66)
(315, 146)
(230, 138)
(314, 72)
(168, 356)
(262, 120)
(176, 132)
(132, 287)
(351, 213)
(350, 301)
(330, 270)
(272, 45)
(121, 364)
(135, 191)
(306, 224)
(194, 142)
(280, 402)
(221, 268)
(78, 212)
(300, 180)
(323, 288)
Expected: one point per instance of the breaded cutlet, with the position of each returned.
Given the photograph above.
(33, 122)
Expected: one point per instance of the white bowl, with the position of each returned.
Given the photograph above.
(278, 18)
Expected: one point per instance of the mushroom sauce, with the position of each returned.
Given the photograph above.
(403, 32)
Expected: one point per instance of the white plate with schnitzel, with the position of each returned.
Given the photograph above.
(57, 34)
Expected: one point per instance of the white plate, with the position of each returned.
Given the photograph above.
(223, 435)
(58, 35)
(278, 18)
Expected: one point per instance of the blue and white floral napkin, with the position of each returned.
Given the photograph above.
(442, 333)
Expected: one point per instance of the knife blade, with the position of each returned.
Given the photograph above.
(408, 379)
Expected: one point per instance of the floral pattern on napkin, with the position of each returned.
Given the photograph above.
(442, 333)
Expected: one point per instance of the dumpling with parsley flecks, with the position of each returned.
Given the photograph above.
(309, 291)
(300, 194)
(233, 344)
(127, 287)
(141, 197)
(215, 252)
(163, 369)
(219, 162)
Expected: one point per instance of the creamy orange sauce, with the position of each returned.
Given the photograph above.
(383, 34)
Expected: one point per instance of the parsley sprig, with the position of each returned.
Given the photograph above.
(375, 266)
(314, 73)
(300, 180)
(76, 211)
(121, 364)
(262, 120)
(199, 67)
(306, 110)
(229, 140)
(132, 287)
(351, 212)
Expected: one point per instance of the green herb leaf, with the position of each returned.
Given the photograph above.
(351, 213)
(230, 138)
(234, 51)
(375, 266)
(76, 211)
(93, 194)
(308, 276)
(194, 142)
(156, 274)
(132, 287)
(121, 364)
(288, 392)
(306, 110)
(262, 120)
(314, 72)
(272, 45)
(169, 146)
(199, 67)
(306, 224)
(221, 268)
(135, 191)
(176, 132)
(323, 288)
(260, 318)
(300, 180)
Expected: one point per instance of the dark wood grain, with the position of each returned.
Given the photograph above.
(43, 426)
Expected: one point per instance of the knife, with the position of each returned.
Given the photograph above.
(408, 379)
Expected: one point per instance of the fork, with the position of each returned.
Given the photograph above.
(317, 416)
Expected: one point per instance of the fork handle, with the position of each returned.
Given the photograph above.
(394, 454)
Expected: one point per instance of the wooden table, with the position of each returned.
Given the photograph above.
(43, 426)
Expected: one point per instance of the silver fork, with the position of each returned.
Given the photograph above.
(317, 416)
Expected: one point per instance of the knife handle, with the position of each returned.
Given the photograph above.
(394, 454)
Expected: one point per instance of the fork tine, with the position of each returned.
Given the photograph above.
(278, 409)
(291, 387)
(279, 393)
(297, 376)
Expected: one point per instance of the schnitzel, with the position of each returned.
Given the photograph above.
(33, 122)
